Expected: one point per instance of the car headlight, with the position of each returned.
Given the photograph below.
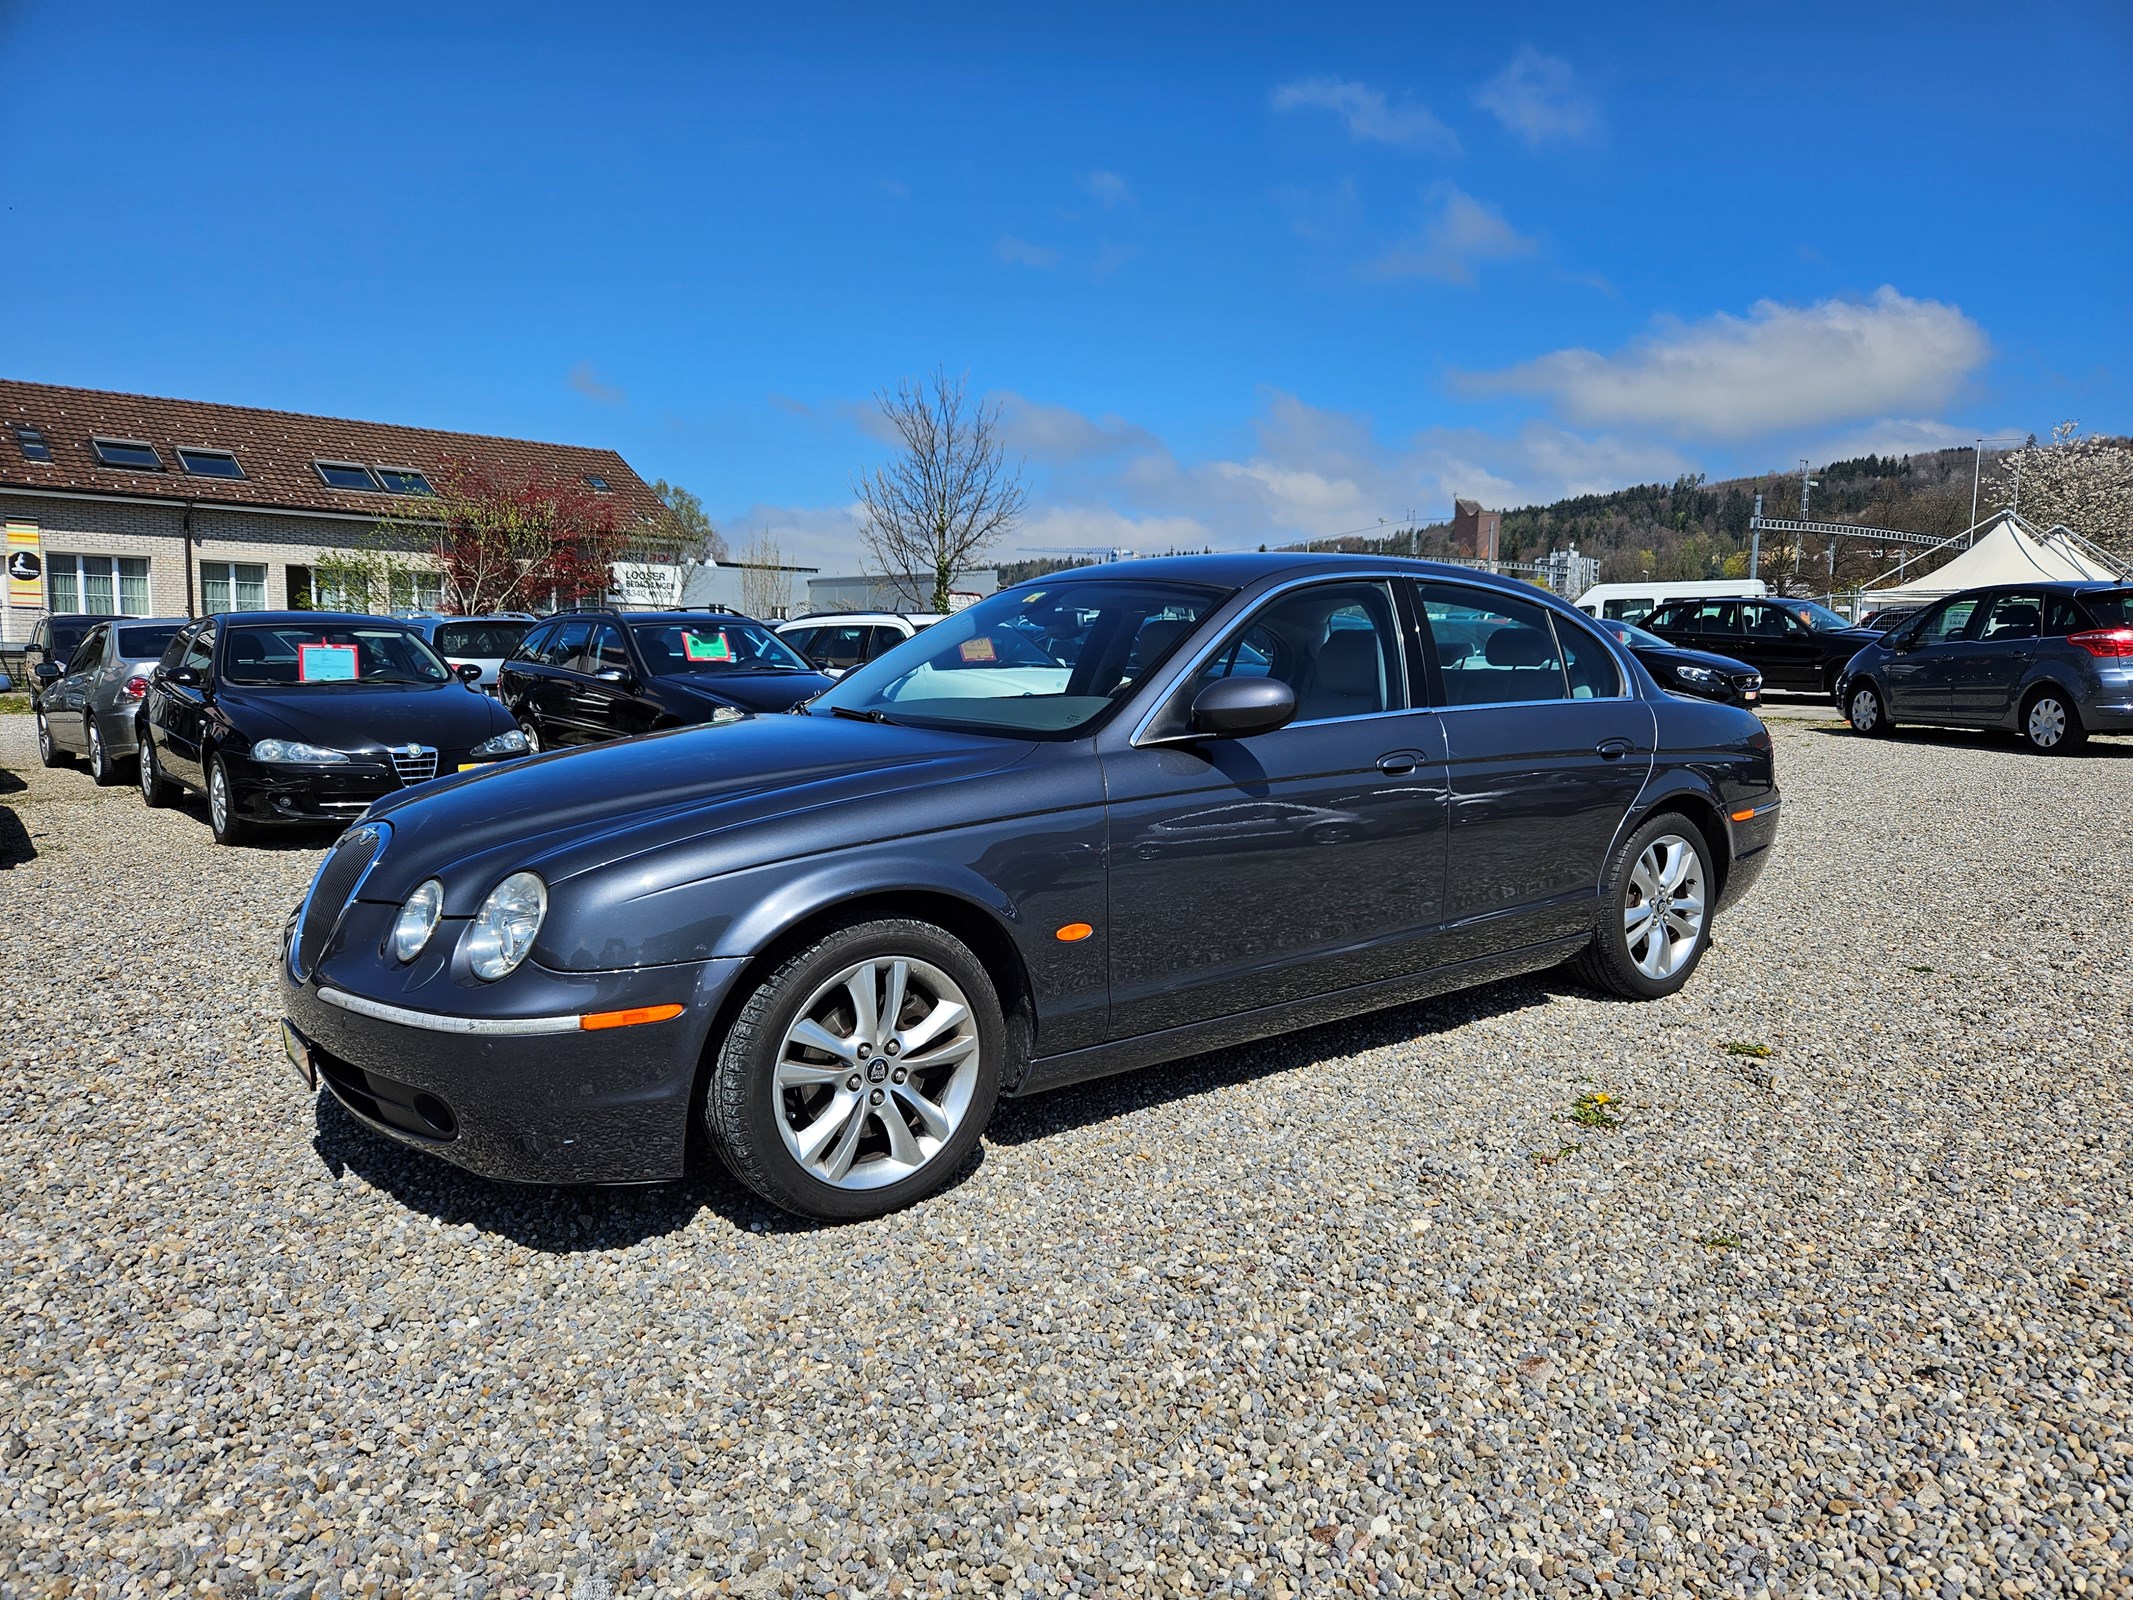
(511, 742)
(505, 925)
(417, 919)
(726, 714)
(294, 750)
(1697, 675)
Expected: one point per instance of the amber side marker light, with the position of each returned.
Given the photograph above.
(1072, 932)
(1743, 816)
(629, 1019)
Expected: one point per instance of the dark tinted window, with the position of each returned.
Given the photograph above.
(1594, 674)
(145, 644)
(607, 652)
(1493, 648)
(2110, 608)
(404, 480)
(567, 648)
(200, 651)
(135, 453)
(34, 447)
(885, 639)
(486, 640)
(67, 635)
(345, 475)
(1769, 622)
(209, 463)
(86, 653)
(842, 647)
(535, 647)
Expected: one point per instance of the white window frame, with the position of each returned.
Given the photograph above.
(77, 568)
(227, 576)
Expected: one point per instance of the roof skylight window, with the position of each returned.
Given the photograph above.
(346, 475)
(596, 482)
(34, 445)
(209, 463)
(136, 455)
(404, 480)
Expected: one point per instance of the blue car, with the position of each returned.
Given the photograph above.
(2052, 662)
(1097, 822)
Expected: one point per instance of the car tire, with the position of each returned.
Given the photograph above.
(2050, 724)
(47, 750)
(1865, 710)
(1650, 956)
(101, 767)
(532, 731)
(773, 1099)
(222, 817)
(157, 791)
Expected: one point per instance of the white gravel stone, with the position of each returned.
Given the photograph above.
(1357, 1310)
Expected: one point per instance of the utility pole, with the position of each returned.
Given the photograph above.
(1977, 473)
(1806, 483)
(1755, 540)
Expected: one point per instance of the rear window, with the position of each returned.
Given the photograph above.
(482, 640)
(145, 644)
(2112, 608)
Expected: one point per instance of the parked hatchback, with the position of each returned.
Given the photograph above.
(1794, 644)
(588, 676)
(484, 642)
(2050, 661)
(87, 704)
(837, 641)
(54, 639)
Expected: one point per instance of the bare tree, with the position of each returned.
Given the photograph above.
(945, 499)
(766, 585)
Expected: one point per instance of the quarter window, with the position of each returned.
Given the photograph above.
(1494, 649)
(232, 586)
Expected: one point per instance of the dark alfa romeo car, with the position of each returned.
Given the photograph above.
(1225, 797)
(291, 717)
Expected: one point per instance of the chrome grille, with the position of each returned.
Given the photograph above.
(416, 763)
(338, 876)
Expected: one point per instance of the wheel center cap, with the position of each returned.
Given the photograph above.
(878, 1070)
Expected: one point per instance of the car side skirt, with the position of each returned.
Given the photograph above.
(1171, 1044)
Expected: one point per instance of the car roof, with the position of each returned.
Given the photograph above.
(1242, 569)
(311, 618)
(680, 614)
(817, 618)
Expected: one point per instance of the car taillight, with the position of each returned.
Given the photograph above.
(136, 686)
(2105, 641)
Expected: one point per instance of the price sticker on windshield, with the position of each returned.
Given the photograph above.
(326, 663)
(978, 649)
(705, 647)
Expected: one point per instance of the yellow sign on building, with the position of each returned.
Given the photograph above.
(25, 567)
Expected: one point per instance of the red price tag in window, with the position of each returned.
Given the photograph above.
(978, 649)
(326, 663)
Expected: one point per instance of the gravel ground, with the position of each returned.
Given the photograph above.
(1363, 1310)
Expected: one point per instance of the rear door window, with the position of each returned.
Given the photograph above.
(1493, 649)
(885, 639)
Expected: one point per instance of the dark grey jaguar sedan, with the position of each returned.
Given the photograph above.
(1099, 821)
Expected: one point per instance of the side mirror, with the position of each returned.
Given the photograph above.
(46, 671)
(1237, 708)
(469, 672)
(183, 677)
(1904, 643)
(606, 675)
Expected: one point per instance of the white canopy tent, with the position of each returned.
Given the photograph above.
(2007, 549)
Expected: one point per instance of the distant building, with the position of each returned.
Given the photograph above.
(1475, 532)
(153, 507)
(862, 593)
(771, 593)
(1570, 574)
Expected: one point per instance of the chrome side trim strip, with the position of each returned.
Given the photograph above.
(437, 1022)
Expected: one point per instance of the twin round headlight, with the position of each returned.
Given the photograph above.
(502, 933)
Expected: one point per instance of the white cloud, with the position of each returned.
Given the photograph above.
(1459, 234)
(1107, 189)
(1370, 117)
(1902, 436)
(1021, 253)
(1060, 433)
(588, 383)
(1539, 98)
(1779, 367)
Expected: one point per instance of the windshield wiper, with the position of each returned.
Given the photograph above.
(862, 716)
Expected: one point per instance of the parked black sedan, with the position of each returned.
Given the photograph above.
(831, 940)
(1696, 672)
(587, 676)
(1795, 644)
(307, 717)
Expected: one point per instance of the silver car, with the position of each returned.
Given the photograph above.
(486, 641)
(86, 706)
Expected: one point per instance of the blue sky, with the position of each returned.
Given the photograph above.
(1233, 273)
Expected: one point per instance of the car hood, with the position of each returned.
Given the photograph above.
(1851, 638)
(449, 716)
(1675, 655)
(576, 811)
(751, 691)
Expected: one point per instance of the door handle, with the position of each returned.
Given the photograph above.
(1613, 749)
(1398, 764)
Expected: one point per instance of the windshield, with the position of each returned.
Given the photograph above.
(717, 644)
(145, 644)
(1628, 633)
(292, 653)
(483, 640)
(1820, 618)
(1035, 663)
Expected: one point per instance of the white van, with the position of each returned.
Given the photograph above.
(1633, 602)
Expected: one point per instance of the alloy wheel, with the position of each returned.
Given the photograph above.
(148, 772)
(2047, 722)
(218, 797)
(876, 1072)
(44, 739)
(1665, 914)
(99, 765)
(532, 732)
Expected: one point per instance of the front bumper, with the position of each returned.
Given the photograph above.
(561, 1106)
(338, 793)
